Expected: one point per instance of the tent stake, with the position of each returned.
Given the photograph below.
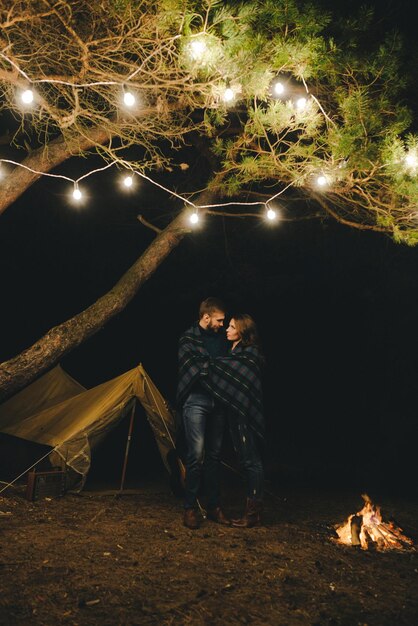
(128, 443)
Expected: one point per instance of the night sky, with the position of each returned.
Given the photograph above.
(337, 311)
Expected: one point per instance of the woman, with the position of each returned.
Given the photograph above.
(236, 380)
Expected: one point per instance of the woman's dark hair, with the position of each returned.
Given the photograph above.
(247, 329)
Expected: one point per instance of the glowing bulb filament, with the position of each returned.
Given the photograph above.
(278, 88)
(76, 192)
(129, 98)
(228, 95)
(411, 160)
(27, 96)
(322, 181)
(197, 49)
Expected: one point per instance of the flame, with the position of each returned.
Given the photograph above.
(366, 529)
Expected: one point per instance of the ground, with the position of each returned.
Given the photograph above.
(98, 559)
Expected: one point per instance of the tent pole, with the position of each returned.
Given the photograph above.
(128, 443)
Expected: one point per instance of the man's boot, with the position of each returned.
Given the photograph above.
(191, 519)
(252, 515)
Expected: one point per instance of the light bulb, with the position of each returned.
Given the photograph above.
(197, 47)
(228, 95)
(301, 103)
(271, 214)
(128, 181)
(27, 96)
(129, 99)
(278, 88)
(77, 193)
(322, 181)
(411, 160)
(194, 218)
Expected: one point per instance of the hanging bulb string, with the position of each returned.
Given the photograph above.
(99, 169)
(279, 193)
(222, 204)
(228, 94)
(17, 68)
(29, 169)
(190, 203)
(150, 180)
(62, 176)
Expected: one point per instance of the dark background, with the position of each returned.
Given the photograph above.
(336, 308)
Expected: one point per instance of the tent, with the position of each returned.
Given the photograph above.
(58, 412)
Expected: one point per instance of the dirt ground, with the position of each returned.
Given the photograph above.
(97, 559)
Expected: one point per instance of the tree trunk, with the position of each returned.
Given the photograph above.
(45, 353)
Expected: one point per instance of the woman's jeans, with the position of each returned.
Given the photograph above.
(204, 422)
(249, 459)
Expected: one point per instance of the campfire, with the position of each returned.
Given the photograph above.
(366, 530)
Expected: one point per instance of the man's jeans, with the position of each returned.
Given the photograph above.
(249, 458)
(204, 421)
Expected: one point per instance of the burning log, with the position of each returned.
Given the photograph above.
(366, 529)
(355, 527)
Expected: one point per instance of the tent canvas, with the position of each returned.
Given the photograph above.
(57, 411)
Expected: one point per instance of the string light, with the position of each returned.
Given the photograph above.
(411, 160)
(27, 96)
(322, 181)
(77, 195)
(129, 99)
(271, 214)
(301, 104)
(228, 95)
(278, 88)
(197, 49)
(194, 218)
(128, 181)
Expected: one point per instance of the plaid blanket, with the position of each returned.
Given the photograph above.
(234, 379)
(193, 359)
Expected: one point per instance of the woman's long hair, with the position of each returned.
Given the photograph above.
(247, 330)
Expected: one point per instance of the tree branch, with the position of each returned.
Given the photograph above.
(358, 225)
(148, 224)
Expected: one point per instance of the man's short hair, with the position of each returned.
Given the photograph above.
(210, 305)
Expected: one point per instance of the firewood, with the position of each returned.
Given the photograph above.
(356, 524)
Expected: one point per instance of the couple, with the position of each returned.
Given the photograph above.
(219, 381)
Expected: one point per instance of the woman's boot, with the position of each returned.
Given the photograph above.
(252, 515)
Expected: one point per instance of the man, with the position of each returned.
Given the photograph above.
(203, 417)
